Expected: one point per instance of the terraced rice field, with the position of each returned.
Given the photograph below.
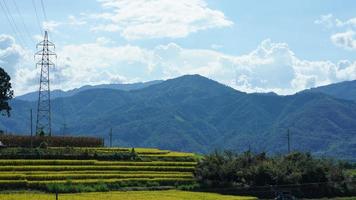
(134, 195)
(38, 174)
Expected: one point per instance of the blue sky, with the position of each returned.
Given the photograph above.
(253, 46)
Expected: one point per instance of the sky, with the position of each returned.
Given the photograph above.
(253, 46)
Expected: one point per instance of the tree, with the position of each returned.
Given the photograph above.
(6, 93)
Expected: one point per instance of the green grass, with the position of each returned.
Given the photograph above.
(132, 195)
(353, 172)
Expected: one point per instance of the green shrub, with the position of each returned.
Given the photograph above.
(228, 169)
(53, 141)
(189, 187)
(13, 184)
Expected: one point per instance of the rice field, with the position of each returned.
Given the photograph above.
(39, 174)
(131, 195)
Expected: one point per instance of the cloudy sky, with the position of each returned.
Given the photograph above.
(253, 46)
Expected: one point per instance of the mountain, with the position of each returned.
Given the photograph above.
(33, 96)
(343, 90)
(193, 113)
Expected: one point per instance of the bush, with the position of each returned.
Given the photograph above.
(189, 187)
(228, 169)
(53, 141)
(64, 153)
(105, 185)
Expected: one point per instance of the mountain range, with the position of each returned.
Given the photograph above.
(33, 96)
(194, 113)
(343, 90)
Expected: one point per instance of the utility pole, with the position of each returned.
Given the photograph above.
(31, 128)
(45, 54)
(288, 137)
(64, 129)
(110, 135)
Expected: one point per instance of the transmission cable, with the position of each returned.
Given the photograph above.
(12, 23)
(18, 30)
(23, 22)
(8, 19)
(38, 19)
(43, 10)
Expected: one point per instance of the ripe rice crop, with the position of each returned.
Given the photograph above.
(131, 195)
(46, 162)
(95, 176)
(92, 162)
(69, 167)
(172, 154)
(135, 181)
(101, 170)
(9, 173)
(154, 163)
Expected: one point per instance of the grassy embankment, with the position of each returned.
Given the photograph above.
(131, 195)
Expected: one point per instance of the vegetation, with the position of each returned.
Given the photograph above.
(353, 173)
(311, 176)
(107, 169)
(6, 93)
(94, 169)
(53, 141)
(88, 153)
(195, 114)
(131, 195)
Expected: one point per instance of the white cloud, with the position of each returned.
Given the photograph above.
(344, 30)
(329, 21)
(346, 40)
(349, 22)
(10, 54)
(272, 66)
(106, 27)
(96, 63)
(158, 18)
(15, 60)
(216, 46)
(51, 25)
(74, 21)
(104, 41)
(326, 20)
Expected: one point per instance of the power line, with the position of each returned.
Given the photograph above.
(7, 17)
(23, 22)
(110, 137)
(11, 21)
(38, 19)
(43, 10)
(15, 25)
(288, 138)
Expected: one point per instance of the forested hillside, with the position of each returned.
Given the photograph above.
(193, 113)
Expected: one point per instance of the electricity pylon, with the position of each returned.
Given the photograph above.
(44, 55)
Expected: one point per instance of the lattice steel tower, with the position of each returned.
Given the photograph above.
(44, 56)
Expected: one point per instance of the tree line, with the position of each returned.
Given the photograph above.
(248, 170)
